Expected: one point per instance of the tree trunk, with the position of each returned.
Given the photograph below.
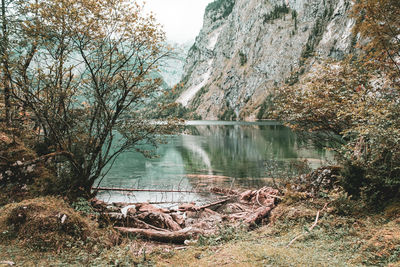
(4, 48)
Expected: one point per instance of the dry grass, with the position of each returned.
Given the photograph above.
(335, 241)
(351, 240)
(48, 223)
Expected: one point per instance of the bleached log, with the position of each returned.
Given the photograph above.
(141, 190)
(177, 237)
(258, 215)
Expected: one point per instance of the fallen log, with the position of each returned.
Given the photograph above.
(146, 207)
(205, 176)
(160, 220)
(136, 223)
(193, 207)
(223, 191)
(177, 237)
(141, 190)
(213, 204)
(258, 215)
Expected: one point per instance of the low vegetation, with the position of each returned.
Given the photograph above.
(351, 106)
(50, 224)
(277, 12)
(345, 235)
(58, 132)
(224, 6)
(74, 90)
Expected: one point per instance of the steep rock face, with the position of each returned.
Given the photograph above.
(248, 47)
(172, 67)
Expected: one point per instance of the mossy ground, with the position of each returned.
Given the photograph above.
(356, 239)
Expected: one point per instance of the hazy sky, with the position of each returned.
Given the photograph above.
(182, 19)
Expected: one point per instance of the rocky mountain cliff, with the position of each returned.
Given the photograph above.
(171, 68)
(248, 47)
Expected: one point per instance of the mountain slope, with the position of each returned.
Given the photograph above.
(248, 47)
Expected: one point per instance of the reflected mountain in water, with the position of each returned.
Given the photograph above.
(208, 153)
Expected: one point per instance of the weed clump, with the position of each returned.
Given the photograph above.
(48, 224)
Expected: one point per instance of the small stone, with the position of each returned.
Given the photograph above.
(30, 168)
(63, 218)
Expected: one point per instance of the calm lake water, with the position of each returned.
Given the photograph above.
(209, 153)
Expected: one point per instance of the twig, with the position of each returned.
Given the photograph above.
(213, 204)
(310, 229)
(275, 196)
(258, 193)
(230, 189)
(43, 158)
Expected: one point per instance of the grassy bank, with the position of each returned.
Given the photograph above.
(335, 241)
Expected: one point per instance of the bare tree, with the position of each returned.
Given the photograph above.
(85, 77)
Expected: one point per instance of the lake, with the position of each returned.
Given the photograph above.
(209, 153)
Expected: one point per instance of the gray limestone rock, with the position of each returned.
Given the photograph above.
(248, 47)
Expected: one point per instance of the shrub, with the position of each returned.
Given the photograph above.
(277, 12)
(226, 5)
(243, 58)
(48, 224)
(347, 105)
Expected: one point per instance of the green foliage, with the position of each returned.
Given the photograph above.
(242, 58)
(263, 112)
(228, 115)
(294, 17)
(75, 112)
(345, 206)
(197, 98)
(225, 234)
(353, 178)
(357, 100)
(314, 38)
(82, 205)
(316, 32)
(225, 5)
(277, 12)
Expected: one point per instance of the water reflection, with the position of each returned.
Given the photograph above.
(208, 153)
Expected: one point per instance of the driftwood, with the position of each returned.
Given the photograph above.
(141, 190)
(264, 197)
(214, 204)
(258, 215)
(177, 237)
(223, 191)
(193, 207)
(251, 207)
(146, 207)
(205, 176)
(161, 220)
(136, 223)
